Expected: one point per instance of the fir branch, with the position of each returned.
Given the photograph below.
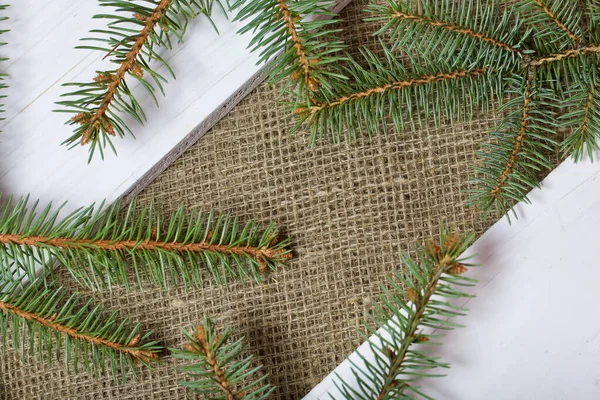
(424, 80)
(591, 11)
(408, 317)
(553, 58)
(583, 117)
(556, 24)
(297, 36)
(98, 248)
(384, 87)
(517, 151)
(80, 330)
(488, 36)
(553, 15)
(297, 45)
(518, 142)
(138, 29)
(219, 367)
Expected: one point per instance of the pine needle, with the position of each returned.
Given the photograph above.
(99, 248)
(50, 321)
(220, 369)
(299, 37)
(136, 32)
(410, 318)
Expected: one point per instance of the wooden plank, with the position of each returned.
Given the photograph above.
(214, 72)
(533, 331)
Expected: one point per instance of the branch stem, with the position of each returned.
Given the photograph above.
(563, 55)
(211, 359)
(143, 355)
(303, 60)
(97, 119)
(395, 86)
(112, 245)
(554, 18)
(420, 303)
(495, 192)
(458, 29)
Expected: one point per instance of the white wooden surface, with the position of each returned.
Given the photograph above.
(209, 68)
(213, 73)
(533, 331)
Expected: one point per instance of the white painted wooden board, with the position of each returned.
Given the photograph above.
(209, 69)
(213, 73)
(533, 331)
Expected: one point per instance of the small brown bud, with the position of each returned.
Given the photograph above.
(421, 339)
(312, 84)
(80, 118)
(294, 76)
(53, 317)
(139, 17)
(300, 110)
(411, 295)
(190, 347)
(451, 241)
(199, 335)
(103, 78)
(86, 136)
(275, 239)
(433, 249)
(397, 383)
(108, 128)
(457, 269)
(391, 355)
(134, 340)
(262, 265)
(137, 71)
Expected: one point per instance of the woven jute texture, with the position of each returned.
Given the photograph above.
(350, 209)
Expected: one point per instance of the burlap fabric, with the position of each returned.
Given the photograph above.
(350, 210)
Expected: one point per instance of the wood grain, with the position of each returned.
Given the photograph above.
(214, 72)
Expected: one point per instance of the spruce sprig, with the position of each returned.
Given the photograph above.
(47, 320)
(411, 316)
(302, 35)
(136, 32)
(444, 58)
(582, 100)
(99, 248)
(383, 89)
(477, 32)
(556, 24)
(220, 370)
(518, 149)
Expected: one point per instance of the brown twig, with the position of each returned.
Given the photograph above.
(97, 120)
(303, 60)
(211, 358)
(143, 355)
(455, 28)
(394, 86)
(259, 254)
(495, 192)
(588, 108)
(563, 55)
(554, 18)
(444, 264)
